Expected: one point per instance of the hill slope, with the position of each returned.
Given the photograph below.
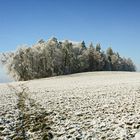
(94, 105)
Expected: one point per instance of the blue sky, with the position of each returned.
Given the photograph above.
(114, 23)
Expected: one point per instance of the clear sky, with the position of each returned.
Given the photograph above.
(114, 23)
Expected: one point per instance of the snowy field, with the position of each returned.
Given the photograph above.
(86, 106)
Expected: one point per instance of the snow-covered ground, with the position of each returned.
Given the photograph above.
(87, 106)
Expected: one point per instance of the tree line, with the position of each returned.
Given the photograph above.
(53, 57)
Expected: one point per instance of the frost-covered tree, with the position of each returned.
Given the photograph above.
(91, 57)
(67, 56)
(53, 57)
(98, 47)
